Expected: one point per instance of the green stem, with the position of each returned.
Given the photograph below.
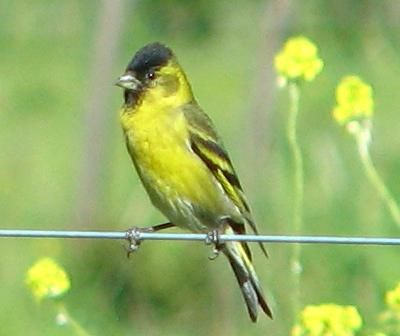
(69, 320)
(362, 139)
(296, 267)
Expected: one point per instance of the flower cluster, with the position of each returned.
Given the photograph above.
(298, 60)
(393, 298)
(328, 320)
(390, 318)
(354, 100)
(47, 280)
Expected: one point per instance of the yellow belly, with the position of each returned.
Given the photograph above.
(177, 181)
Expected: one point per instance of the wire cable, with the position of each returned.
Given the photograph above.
(10, 233)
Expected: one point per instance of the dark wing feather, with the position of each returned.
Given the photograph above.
(206, 144)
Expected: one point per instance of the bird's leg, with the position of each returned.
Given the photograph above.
(134, 239)
(159, 227)
(213, 238)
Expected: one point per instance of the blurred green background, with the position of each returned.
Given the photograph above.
(64, 163)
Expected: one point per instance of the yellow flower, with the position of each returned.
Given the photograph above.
(47, 280)
(328, 320)
(298, 60)
(354, 100)
(393, 298)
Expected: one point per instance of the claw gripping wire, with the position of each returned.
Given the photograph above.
(214, 238)
(133, 236)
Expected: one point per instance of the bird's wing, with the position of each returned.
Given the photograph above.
(206, 144)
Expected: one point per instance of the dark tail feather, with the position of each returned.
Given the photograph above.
(247, 279)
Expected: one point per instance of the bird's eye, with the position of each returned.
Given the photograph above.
(151, 75)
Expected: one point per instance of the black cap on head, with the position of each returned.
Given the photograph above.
(150, 56)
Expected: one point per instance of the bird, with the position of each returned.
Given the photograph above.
(182, 161)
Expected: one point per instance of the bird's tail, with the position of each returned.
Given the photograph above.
(247, 279)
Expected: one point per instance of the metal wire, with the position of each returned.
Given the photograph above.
(4, 233)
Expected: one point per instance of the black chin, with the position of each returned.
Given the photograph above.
(131, 97)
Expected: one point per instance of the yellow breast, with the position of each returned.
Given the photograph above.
(171, 173)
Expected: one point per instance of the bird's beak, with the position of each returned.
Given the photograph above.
(127, 81)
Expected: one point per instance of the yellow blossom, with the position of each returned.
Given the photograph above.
(298, 60)
(328, 320)
(354, 100)
(393, 298)
(46, 279)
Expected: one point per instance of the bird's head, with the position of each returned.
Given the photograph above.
(155, 74)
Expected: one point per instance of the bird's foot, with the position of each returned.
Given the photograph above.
(213, 238)
(134, 239)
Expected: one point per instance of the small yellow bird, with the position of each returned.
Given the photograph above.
(182, 162)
